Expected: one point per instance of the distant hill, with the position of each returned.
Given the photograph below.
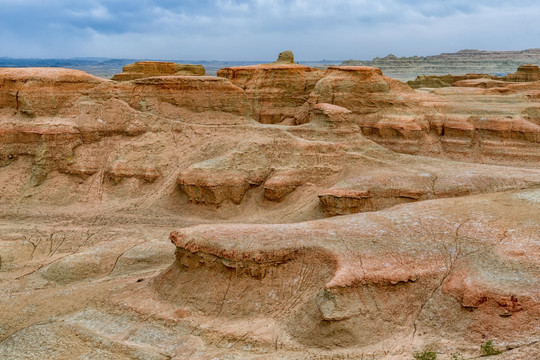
(96, 66)
(106, 68)
(458, 63)
(462, 62)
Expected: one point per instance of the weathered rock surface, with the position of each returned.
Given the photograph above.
(447, 265)
(525, 73)
(462, 123)
(437, 251)
(144, 69)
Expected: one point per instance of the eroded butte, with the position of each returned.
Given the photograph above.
(437, 245)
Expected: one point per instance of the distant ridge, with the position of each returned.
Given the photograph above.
(459, 63)
(107, 67)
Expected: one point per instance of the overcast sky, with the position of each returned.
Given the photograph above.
(259, 29)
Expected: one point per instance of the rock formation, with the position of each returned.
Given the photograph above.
(274, 90)
(461, 62)
(285, 57)
(144, 69)
(246, 173)
(525, 73)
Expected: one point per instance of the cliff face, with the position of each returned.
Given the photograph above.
(275, 91)
(349, 273)
(95, 174)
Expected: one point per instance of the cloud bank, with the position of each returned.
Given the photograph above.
(259, 29)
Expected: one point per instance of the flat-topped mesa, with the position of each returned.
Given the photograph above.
(462, 62)
(144, 69)
(363, 90)
(524, 73)
(43, 91)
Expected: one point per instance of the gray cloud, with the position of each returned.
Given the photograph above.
(258, 29)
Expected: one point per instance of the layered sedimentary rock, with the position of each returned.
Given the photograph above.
(42, 91)
(391, 114)
(95, 174)
(462, 123)
(274, 90)
(144, 69)
(525, 73)
(168, 95)
(458, 63)
(279, 93)
(363, 90)
(416, 273)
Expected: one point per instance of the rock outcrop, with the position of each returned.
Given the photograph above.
(274, 90)
(285, 57)
(144, 69)
(525, 73)
(458, 122)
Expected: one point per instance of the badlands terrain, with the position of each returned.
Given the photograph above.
(273, 211)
